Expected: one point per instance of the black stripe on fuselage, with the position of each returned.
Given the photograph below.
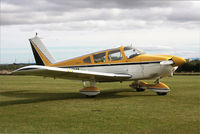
(112, 64)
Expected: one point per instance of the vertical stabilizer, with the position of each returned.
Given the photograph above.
(40, 52)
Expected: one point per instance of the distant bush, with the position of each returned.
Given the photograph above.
(193, 66)
(11, 67)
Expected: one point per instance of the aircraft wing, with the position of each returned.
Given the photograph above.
(67, 73)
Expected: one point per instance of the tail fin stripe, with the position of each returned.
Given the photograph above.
(37, 56)
(42, 56)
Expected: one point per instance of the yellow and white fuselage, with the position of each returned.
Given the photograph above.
(124, 63)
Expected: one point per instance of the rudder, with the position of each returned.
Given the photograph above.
(41, 54)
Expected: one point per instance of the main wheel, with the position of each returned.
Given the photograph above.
(91, 96)
(162, 93)
(140, 89)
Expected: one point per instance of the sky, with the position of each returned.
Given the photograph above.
(71, 28)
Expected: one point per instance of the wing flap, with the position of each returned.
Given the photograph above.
(67, 73)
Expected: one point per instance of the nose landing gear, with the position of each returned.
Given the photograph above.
(159, 87)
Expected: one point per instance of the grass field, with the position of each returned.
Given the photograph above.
(37, 105)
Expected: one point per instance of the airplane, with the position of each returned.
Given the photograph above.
(125, 63)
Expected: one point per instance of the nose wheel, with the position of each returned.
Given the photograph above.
(160, 88)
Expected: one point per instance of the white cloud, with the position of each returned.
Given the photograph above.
(166, 27)
(47, 12)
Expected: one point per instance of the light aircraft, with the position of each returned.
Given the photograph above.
(124, 63)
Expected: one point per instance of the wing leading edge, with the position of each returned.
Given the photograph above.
(67, 73)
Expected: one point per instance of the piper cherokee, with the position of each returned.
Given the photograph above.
(124, 63)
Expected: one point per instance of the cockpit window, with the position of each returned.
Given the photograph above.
(87, 60)
(99, 57)
(114, 55)
(131, 52)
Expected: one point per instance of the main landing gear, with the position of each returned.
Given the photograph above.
(159, 87)
(90, 91)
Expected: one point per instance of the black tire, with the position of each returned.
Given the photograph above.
(140, 89)
(161, 93)
(91, 96)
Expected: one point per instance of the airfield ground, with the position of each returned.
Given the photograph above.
(37, 105)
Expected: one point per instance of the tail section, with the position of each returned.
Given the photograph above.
(40, 52)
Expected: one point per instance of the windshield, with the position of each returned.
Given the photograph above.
(131, 52)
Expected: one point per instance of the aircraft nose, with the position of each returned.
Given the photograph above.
(178, 61)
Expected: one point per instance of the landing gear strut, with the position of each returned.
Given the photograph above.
(138, 86)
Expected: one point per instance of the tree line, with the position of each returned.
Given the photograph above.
(193, 66)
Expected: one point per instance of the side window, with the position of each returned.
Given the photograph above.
(99, 57)
(87, 60)
(114, 55)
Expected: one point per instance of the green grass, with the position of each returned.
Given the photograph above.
(37, 105)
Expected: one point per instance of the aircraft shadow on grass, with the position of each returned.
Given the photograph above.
(30, 97)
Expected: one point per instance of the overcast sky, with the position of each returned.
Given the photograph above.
(70, 28)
